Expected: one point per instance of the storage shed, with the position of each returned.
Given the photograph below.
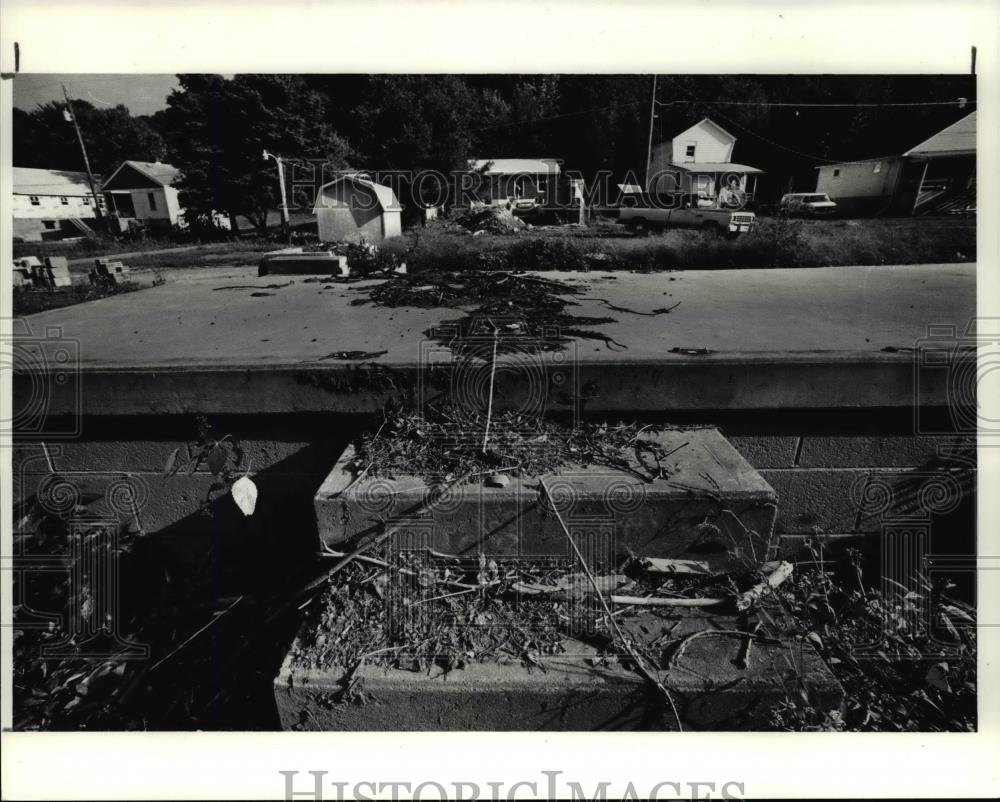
(353, 208)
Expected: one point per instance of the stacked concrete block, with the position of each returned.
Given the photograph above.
(322, 263)
(57, 272)
(109, 274)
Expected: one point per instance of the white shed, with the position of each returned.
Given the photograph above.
(353, 208)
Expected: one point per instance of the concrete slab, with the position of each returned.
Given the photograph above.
(573, 691)
(740, 339)
(611, 510)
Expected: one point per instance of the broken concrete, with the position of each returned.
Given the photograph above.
(713, 506)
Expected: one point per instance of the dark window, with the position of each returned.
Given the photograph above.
(836, 173)
(152, 201)
(689, 151)
(33, 199)
(86, 201)
(64, 201)
(49, 224)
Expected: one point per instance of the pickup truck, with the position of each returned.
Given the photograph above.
(645, 215)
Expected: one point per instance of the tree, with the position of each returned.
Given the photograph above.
(218, 129)
(44, 138)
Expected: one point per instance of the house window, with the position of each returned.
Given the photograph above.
(152, 200)
(49, 224)
(33, 199)
(64, 201)
(836, 173)
(86, 201)
(689, 151)
(877, 167)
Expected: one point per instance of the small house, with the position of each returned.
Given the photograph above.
(699, 161)
(144, 192)
(353, 208)
(51, 204)
(511, 180)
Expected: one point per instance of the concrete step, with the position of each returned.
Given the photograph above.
(713, 507)
(573, 691)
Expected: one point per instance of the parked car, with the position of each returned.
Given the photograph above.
(807, 204)
(688, 211)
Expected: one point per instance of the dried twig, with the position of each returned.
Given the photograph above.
(640, 664)
(215, 618)
(493, 373)
(665, 601)
(747, 599)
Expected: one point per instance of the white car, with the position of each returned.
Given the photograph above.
(807, 204)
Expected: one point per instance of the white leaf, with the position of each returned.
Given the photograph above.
(245, 495)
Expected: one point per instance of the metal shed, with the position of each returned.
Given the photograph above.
(353, 208)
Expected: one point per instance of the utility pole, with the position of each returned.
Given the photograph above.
(83, 149)
(649, 145)
(285, 225)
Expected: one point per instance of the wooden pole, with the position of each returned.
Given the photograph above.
(86, 161)
(649, 145)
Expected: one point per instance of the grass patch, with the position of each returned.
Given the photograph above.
(774, 243)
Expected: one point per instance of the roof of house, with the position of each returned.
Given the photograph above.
(515, 166)
(958, 139)
(716, 167)
(36, 181)
(712, 123)
(385, 196)
(160, 173)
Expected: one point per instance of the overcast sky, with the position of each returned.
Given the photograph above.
(143, 94)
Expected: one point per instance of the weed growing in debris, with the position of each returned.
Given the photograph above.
(907, 660)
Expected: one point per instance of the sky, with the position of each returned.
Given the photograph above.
(143, 94)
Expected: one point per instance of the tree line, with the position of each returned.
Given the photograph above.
(215, 128)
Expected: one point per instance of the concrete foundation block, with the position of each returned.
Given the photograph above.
(763, 451)
(302, 264)
(575, 691)
(873, 452)
(714, 507)
(816, 499)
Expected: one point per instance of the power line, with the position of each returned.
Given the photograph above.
(959, 102)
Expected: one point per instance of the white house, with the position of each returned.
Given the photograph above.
(699, 161)
(353, 208)
(51, 204)
(144, 192)
(513, 179)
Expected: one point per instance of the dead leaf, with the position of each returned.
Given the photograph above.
(937, 677)
(245, 495)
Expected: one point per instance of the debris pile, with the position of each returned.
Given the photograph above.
(492, 219)
(524, 313)
(416, 609)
